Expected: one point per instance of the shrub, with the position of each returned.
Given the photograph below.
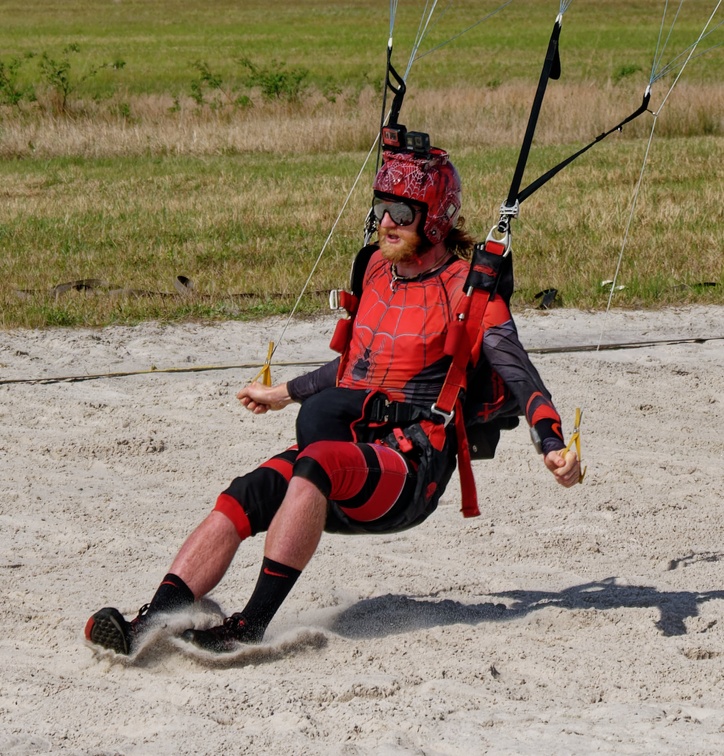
(11, 92)
(276, 82)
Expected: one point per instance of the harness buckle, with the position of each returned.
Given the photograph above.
(446, 416)
(385, 410)
(507, 213)
(334, 300)
(493, 236)
(379, 409)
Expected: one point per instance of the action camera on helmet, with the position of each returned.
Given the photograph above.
(398, 138)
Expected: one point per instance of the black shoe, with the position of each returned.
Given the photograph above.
(109, 629)
(224, 638)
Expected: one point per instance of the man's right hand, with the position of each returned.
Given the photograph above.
(258, 398)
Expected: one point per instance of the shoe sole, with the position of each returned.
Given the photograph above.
(106, 628)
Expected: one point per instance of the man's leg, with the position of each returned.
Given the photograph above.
(291, 540)
(199, 566)
(244, 509)
(206, 554)
(366, 481)
(297, 527)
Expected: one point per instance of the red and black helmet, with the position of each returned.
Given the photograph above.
(430, 180)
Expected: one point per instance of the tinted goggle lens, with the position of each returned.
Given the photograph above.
(401, 213)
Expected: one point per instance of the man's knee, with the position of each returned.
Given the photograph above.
(311, 469)
(232, 509)
(251, 501)
(337, 468)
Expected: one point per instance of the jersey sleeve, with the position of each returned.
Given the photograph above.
(507, 356)
(304, 386)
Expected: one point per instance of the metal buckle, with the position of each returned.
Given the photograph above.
(334, 300)
(505, 241)
(379, 411)
(507, 213)
(386, 411)
(446, 416)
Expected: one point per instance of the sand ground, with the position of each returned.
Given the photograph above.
(561, 621)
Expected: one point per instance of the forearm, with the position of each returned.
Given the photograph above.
(304, 386)
(509, 359)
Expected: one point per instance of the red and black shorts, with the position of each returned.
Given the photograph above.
(370, 488)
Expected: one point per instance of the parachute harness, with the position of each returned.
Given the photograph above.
(498, 242)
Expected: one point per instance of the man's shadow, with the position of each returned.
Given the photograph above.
(389, 615)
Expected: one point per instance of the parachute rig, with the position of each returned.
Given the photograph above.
(490, 271)
(490, 274)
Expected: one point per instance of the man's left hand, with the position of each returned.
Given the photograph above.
(566, 469)
(258, 398)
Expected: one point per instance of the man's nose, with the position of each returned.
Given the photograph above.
(387, 221)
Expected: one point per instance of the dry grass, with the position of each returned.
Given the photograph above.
(241, 200)
(160, 125)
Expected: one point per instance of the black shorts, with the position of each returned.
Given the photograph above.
(370, 487)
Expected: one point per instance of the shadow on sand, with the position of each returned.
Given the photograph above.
(390, 614)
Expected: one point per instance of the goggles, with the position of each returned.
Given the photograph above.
(400, 212)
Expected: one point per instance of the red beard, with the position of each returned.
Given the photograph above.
(403, 250)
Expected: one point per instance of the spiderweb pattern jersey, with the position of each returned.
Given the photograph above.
(399, 333)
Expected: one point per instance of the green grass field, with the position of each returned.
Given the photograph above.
(137, 146)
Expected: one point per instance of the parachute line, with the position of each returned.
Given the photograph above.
(671, 65)
(629, 223)
(421, 33)
(660, 52)
(324, 246)
(657, 60)
(692, 50)
(465, 31)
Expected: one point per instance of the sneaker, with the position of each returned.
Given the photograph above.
(109, 629)
(224, 638)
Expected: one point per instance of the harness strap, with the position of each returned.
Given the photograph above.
(380, 409)
(464, 343)
(548, 175)
(465, 335)
(468, 491)
(551, 70)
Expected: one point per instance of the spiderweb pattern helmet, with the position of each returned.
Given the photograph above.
(429, 179)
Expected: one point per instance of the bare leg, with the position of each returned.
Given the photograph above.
(297, 527)
(206, 554)
(291, 540)
(201, 563)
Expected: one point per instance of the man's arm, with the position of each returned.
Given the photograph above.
(304, 386)
(258, 398)
(509, 359)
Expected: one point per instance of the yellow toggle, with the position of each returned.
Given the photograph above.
(264, 375)
(576, 439)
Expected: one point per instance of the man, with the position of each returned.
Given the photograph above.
(373, 455)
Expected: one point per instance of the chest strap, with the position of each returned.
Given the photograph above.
(380, 409)
(463, 344)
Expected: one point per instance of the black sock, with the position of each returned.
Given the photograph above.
(272, 587)
(172, 594)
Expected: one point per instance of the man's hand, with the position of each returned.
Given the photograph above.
(258, 398)
(566, 470)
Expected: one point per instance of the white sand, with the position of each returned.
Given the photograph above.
(558, 622)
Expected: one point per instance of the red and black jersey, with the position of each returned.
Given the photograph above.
(398, 345)
(398, 338)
